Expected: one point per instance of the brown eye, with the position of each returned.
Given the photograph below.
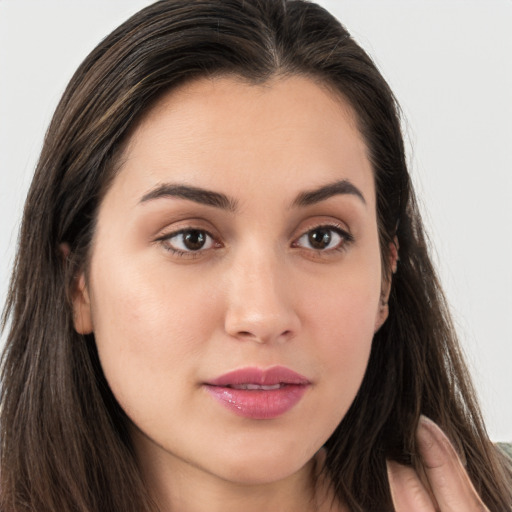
(323, 238)
(320, 238)
(189, 240)
(194, 240)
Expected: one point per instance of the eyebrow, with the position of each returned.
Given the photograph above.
(222, 201)
(196, 194)
(327, 191)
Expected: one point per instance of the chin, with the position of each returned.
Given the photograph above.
(261, 466)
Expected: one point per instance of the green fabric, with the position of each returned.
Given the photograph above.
(505, 448)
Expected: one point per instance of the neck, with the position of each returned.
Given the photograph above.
(185, 492)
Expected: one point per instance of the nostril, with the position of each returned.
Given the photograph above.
(263, 337)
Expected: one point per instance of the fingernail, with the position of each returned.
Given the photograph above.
(392, 466)
(430, 433)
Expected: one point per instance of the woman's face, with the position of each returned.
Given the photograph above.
(240, 235)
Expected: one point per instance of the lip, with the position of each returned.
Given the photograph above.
(260, 403)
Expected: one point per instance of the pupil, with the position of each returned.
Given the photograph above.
(320, 238)
(194, 239)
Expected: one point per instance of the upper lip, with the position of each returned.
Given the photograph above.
(259, 376)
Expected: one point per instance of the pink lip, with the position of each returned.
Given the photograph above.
(259, 403)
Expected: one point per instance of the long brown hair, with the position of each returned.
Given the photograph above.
(64, 441)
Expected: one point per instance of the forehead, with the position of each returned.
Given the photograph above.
(290, 133)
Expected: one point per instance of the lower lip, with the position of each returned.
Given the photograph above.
(259, 404)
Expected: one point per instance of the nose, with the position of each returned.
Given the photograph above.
(260, 306)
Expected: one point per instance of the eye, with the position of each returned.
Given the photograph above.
(324, 238)
(188, 241)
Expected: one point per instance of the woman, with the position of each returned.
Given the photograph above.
(222, 296)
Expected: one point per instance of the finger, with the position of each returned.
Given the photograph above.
(407, 491)
(448, 479)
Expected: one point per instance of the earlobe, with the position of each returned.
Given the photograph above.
(80, 299)
(81, 306)
(383, 312)
(394, 247)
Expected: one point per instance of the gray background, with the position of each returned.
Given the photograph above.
(449, 63)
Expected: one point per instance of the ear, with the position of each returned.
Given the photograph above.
(82, 317)
(383, 312)
(80, 299)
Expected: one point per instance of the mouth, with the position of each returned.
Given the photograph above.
(259, 394)
(256, 387)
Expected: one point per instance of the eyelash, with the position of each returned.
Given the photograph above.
(165, 241)
(345, 240)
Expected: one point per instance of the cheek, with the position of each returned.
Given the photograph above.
(150, 328)
(346, 330)
(341, 320)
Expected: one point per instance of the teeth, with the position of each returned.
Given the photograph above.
(257, 386)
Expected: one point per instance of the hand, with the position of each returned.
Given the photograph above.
(450, 490)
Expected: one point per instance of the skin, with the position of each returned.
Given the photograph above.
(446, 486)
(257, 293)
